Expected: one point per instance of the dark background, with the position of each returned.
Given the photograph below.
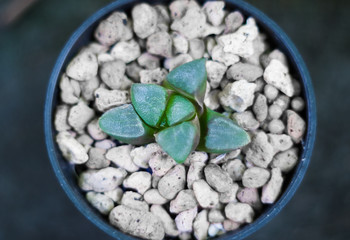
(32, 204)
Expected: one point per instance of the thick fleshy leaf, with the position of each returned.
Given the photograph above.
(123, 124)
(220, 134)
(149, 101)
(180, 140)
(179, 109)
(189, 79)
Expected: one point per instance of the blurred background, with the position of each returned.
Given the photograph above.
(32, 204)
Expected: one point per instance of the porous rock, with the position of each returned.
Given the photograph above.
(121, 157)
(172, 182)
(137, 223)
(102, 180)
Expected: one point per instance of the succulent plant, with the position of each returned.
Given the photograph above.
(174, 116)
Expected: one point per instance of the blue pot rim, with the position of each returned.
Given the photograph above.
(308, 144)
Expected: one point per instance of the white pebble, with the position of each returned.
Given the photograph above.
(105, 144)
(103, 180)
(112, 74)
(173, 62)
(148, 61)
(113, 29)
(250, 196)
(255, 177)
(205, 195)
(137, 223)
(153, 196)
(88, 88)
(172, 182)
(278, 75)
(272, 189)
(215, 72)
(160, 43)
(260, 108)
(139, 181)
(107, 99)
(184, 200)
(238, 95)
(233, 21)
(121, 157)
(70, 91)
(83, 67)
(229, 195)
(276, 126)
(296, 126)
(115, 194)
(155, 76)
(95, 131)
(275, 111)
(126, 51)
(80, 115)
(215, 12)
(235, 168)
(270, 92)
(230, 225)
(71, 149)
(144, 20)
(101, 202)
(97, 159)
(195, 172)
(161, 163)
(61, 115)
(135, 201)
(211, 100)
(191, 25)
(201, 225)
(168, 223)
(197, 48)
(246, 120)
(298, 104)
(239, 212)
(286, 160)
(226, 58)
(241, 41)
(245, 71)
(185, 219)
(217, 178)
(280, 142)
(180, 43)
(141, 155)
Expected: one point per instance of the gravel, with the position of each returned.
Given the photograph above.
(142, 189)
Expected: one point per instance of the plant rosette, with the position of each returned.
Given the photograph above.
(174, 116)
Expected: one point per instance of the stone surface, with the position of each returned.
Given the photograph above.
(217, 178)
(255, 177)
(121, 157)
(139, 181)
(238, 96)
(137, 223)
(205, 195)
(239, 212)
(172, 182)
(102, 180)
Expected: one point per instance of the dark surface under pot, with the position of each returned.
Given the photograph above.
(66, 172)
(33, 206)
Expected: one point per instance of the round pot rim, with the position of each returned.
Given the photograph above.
(307, 145)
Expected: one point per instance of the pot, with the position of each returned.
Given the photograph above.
(65, 172)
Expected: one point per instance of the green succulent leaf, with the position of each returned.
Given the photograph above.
(190, 80)
(180, 140)
(179, 109)
(123, 124)
(149, 101)
(220, 134)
